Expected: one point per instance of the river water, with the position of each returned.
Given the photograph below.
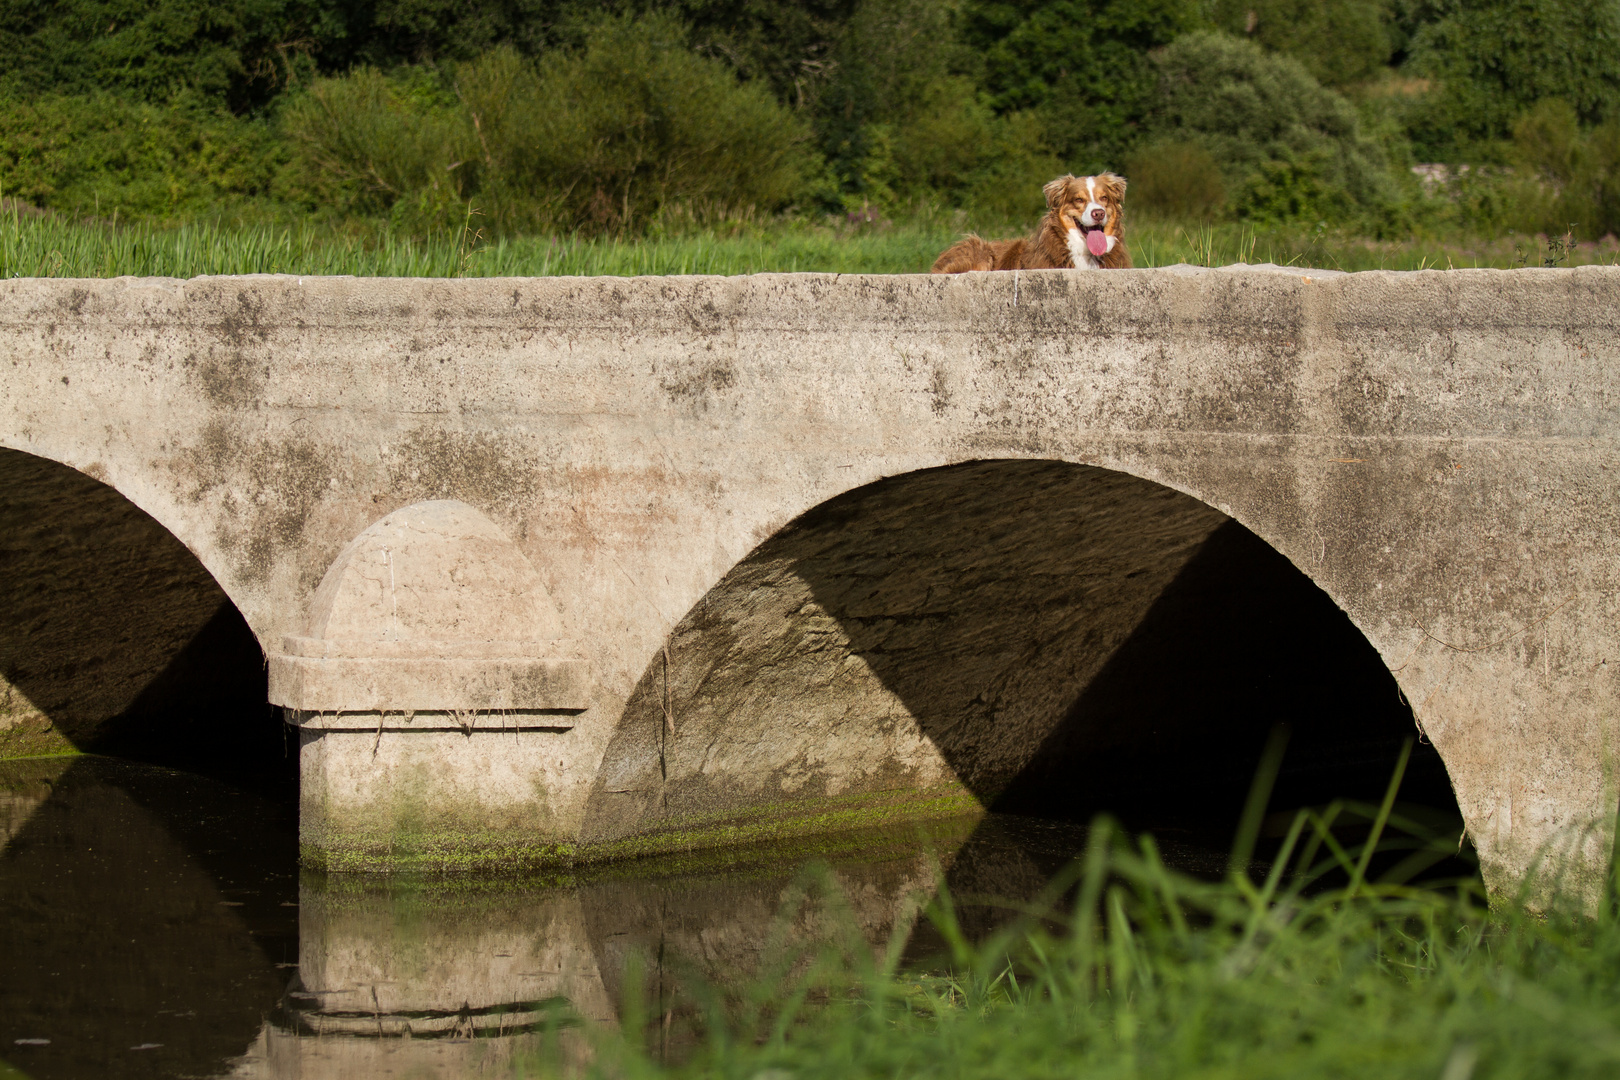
(155, 923)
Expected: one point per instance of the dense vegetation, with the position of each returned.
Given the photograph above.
(1328, 962)
(417, 118)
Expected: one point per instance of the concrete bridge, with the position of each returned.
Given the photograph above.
(563, 567)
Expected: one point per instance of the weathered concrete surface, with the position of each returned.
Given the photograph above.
(431, 609)
(1435, 450)
(1060, 639)
(431, 623)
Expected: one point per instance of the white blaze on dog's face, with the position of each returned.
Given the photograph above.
(1089, 210)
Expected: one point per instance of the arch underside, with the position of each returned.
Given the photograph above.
(115, 639)
(1049, 638)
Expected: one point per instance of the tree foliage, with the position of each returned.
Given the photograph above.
(1494, 59)
(240, 52)
(1287, 108)
(1082, 64)
(1340, 42)
(1287, 146)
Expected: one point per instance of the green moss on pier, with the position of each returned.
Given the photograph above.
(807, 826)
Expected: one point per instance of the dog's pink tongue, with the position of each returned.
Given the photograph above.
(1097, 242)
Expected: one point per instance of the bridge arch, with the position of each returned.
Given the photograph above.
(115, 638)
(1027, 634)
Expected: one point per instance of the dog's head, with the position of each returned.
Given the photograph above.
(1088, 205)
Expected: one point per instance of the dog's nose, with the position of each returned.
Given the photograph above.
(1097, 215)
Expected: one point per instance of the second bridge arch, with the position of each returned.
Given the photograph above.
(1023, 635)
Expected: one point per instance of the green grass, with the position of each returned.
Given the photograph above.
(1314, 967)
(48, 246)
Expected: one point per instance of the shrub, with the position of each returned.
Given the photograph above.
(1176, 179)
(601, 139)
(636, 120)
(1287, 146)
(99, 154)
(1579, 171)
(1492, 59)
(370, 144)
(953, 150)
(889, 105)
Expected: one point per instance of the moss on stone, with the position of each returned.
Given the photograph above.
(801, 828)
(897, 839)
(777, 822)
(432, 853)
(31, 737)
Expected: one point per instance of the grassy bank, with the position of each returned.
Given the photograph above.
(49, 246)
(1326, 964)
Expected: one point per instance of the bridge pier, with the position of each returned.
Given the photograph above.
(429, 697)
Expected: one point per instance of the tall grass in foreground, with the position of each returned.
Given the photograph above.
(1128, 969)
(47, 246)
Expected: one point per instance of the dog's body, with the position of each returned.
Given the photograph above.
(1084, 228)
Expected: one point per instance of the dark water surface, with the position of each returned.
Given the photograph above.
(155, 923)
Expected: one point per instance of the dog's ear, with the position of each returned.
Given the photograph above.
(1054, 191)
(1115, 184)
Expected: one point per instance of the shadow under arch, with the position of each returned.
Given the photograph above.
(1058, 639)
(114, 639)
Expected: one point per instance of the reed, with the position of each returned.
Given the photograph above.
(1325, 960)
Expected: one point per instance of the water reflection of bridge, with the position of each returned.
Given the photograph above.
(143, 907)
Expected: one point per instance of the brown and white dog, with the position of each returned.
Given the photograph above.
(1084, 228)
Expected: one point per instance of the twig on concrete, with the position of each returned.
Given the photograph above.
(669, 701)
(1502, 640)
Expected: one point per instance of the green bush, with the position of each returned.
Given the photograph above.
(889, 92)
(1083, 65)
(956, 150)
(1578, 171)
(601, 139)
(902, 126)
(247, 52)
(1339, 41)
(370, 144)
(97, 154)
(1288, 147)
(1176, 179)
(637, 121)
(1493, 59)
